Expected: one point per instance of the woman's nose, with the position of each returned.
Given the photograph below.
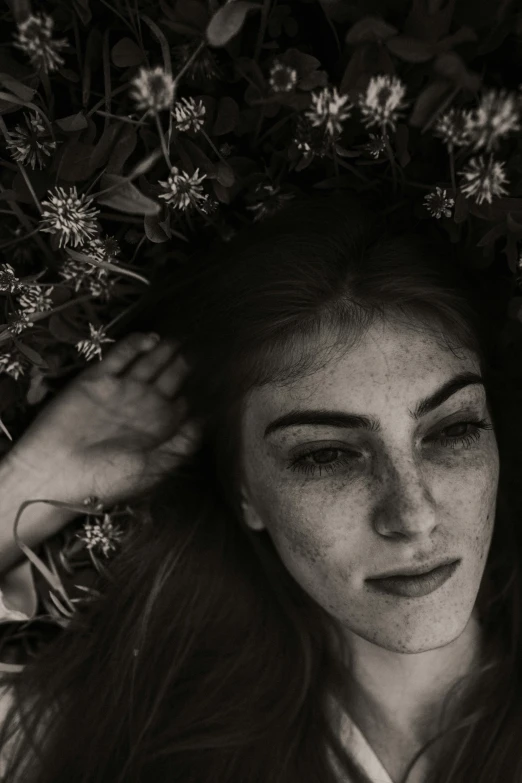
(406, 503)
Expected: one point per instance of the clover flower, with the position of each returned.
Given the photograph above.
(91, 277)
(92, 346)
(18, 322)
(96, 279)
(203, 68)
(382, 101)
(282, 78)
(153, 89)
(8, 280)
(311, 141)
(375, 146)
(328, 110)
(182, 189)
(34, 38)
(496, 115)
(29, 144)
(70, 216)
(13, 365)
(226, 149)
(36, 299)
(484, 179)
(272, 201)
(209, 205)
(453, 128)
(438, 203)
(188, 115)
(100, 535)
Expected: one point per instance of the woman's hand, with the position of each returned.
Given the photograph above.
(114, 431)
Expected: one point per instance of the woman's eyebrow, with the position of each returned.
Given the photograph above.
(333, 418)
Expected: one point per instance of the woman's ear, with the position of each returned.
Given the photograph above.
(250, 515)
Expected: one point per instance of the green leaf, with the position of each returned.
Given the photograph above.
(428, 101)
(74, 122)
(165, 48)
(228, 21)
(227, 116)
(76, 161)
(154, 230)
(83, 10)
(461, 207)
(16, 87)
(146, 164)
(225, 175)
(222, 194)
(453, 67)
(490, 236)
(104, 145)
(69, 74)
(410, 49)
(126, 197)
(62, 330)
(32, 355)
(123, 149)
(371, 28)
(126, 53)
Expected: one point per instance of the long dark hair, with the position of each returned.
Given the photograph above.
(204, 659)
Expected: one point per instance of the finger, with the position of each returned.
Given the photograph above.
(122, 353)
(147, 366)
(168, 380)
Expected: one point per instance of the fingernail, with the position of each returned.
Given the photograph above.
(151, 340)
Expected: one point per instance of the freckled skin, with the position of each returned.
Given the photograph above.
(402, 500)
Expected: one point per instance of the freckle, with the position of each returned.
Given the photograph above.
(301, 543)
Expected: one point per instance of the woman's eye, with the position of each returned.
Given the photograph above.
(467, 433)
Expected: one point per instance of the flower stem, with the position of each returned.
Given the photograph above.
(163, 142)
(452, 169)
(207, 137)
(390, 156)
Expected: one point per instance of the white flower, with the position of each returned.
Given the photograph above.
(153, 89)
(329, 109)
(495, 117)
(188, 115)
(438, 203)
(271, 202)
(383, 101)
(36, 299)
(18, 322)
(70, 216)
(376, 146)
(100, 535)
(12, 365)
(34, 38)
(8, 280)
(92, 346)
(282, 78)
(452, 127)
(483, 179)
(30, 143)
(182, 189)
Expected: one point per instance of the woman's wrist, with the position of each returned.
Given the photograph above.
(38, 521)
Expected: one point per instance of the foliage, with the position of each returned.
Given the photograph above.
(135, 133)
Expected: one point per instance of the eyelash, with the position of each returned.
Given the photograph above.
(299, 465)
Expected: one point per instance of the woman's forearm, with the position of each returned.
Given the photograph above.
(38, 521)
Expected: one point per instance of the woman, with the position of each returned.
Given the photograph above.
(354, 421)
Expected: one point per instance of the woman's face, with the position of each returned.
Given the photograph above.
(414, 489)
